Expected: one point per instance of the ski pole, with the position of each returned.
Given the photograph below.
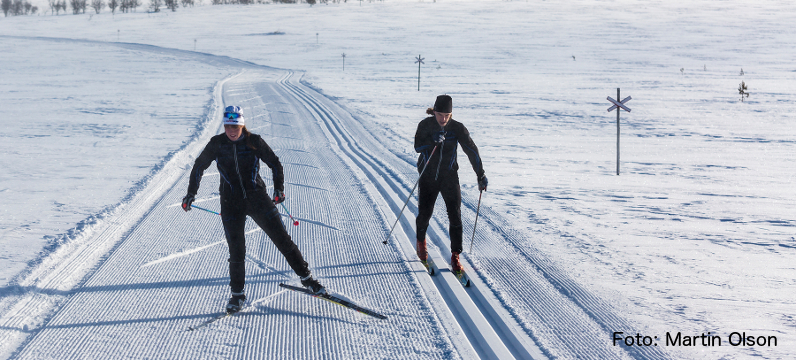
(410, 196)
(295, 222)
(201, 208)
(477, 211)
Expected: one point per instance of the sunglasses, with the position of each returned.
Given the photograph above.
(231, 115)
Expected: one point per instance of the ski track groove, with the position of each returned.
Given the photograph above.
(567, 337)
(343, 138)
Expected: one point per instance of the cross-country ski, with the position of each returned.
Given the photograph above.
(335, 300)
(212, 320)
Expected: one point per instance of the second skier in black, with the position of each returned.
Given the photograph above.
(438, 137)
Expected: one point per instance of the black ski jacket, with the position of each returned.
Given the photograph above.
(238, 164)
(455, 134)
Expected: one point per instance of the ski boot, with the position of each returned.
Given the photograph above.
(456, 266)
(313, 285)
(236, 302)
(422, 253)
(458, 270)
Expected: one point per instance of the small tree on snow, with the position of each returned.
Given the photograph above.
(6, 6)
(97, 5)
(742, 90)
(171, 4)
(155, 5)
(112, 5)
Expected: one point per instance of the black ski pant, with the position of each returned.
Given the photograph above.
(446, 184)
(261, 209)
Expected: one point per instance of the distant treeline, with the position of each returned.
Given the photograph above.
(23, 7)
(18, 7)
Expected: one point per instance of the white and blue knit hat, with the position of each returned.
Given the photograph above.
(233, 115)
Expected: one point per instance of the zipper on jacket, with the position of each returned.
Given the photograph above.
(237, 170)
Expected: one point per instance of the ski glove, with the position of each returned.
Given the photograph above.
(187, 201)
(279, 196)
(439, 137)
(482, 183)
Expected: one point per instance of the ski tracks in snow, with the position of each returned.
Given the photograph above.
(131, 287)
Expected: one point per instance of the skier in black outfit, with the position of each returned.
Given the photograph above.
(237, 154)
(442, 177)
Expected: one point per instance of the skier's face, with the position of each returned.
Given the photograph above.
(442, 118)
(233, 131)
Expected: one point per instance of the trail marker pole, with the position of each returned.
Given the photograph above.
(343, 61)
(618, 105)
(418, 62)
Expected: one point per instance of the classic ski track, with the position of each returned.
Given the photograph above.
(565, 318)
(480, 330)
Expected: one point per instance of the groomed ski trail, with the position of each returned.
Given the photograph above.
(139, 280)
(520, 304)
(135, 306)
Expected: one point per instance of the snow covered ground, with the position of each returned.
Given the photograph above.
(101, 114)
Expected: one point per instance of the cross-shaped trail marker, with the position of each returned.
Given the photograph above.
(418, 62)
(618, 105)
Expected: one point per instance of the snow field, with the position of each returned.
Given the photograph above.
(695, 236)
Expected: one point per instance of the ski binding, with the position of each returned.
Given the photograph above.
(429, 264)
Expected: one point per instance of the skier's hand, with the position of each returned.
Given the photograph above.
(279, 196)
(439, 137)
(187, 201)
(482, 183)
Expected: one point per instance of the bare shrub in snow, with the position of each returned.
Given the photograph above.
(742, 90)
(97, 5)
(6, 6)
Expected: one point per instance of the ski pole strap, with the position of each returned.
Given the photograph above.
(201, 208)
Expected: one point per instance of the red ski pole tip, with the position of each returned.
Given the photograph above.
(295, 223)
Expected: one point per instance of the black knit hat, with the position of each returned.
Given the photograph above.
(444, 104)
